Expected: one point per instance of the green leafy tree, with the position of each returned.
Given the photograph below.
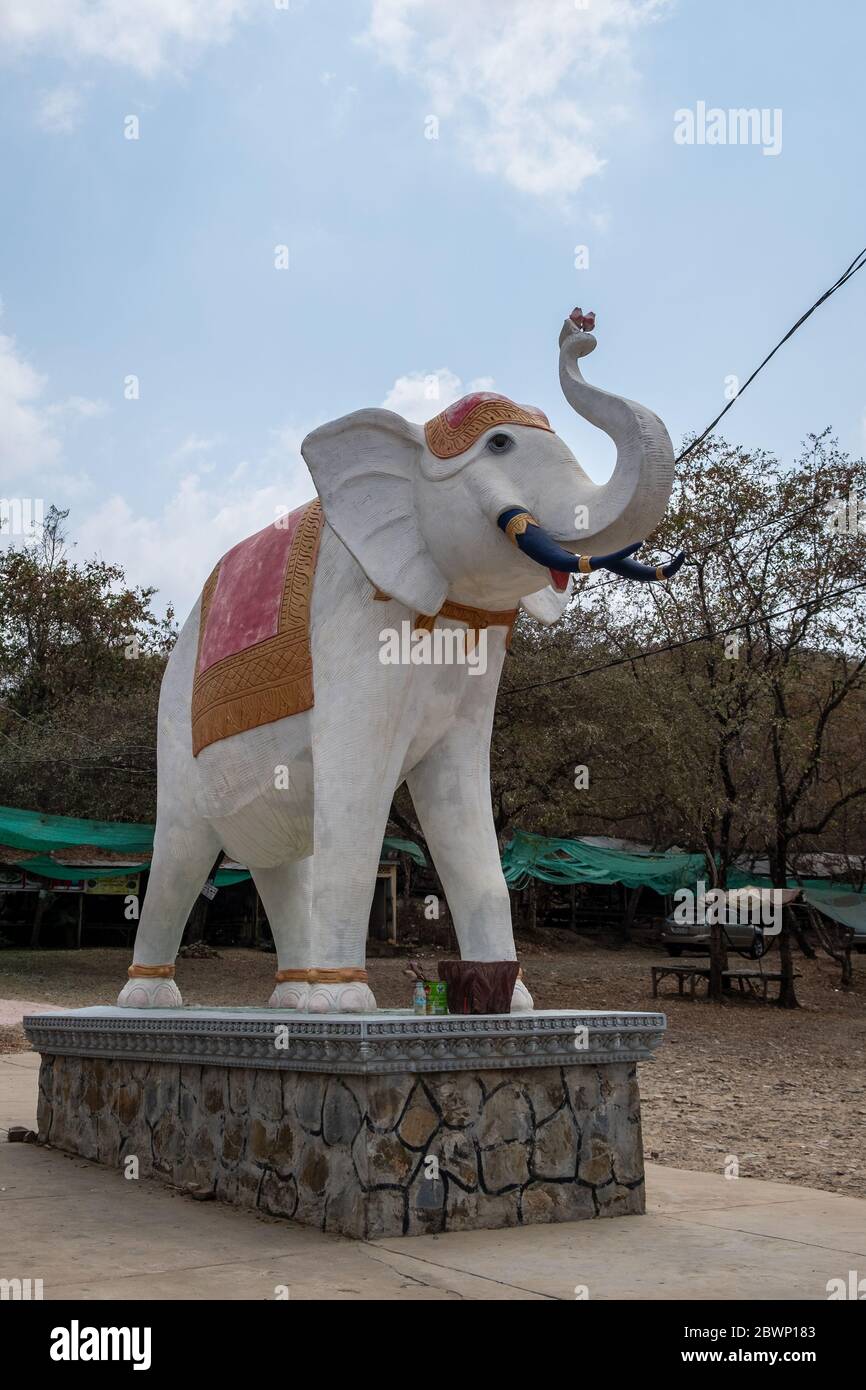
(81, 659)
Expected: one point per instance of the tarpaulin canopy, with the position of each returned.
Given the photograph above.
(572, 861)
(406, 847)
(738, 879)
(842, 906)
(48, 840)
(32, 830)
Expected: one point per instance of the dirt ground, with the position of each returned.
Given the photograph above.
(782, 1092)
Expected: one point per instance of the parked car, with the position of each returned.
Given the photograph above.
(747, 917)
(677, 937)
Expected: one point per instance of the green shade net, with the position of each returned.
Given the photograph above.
(33, 831)
(840, 904)
(571, 861)
(44, 835)
(406, 847)
(46, 868)
(738, 879)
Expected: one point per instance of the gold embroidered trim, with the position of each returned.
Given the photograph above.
(446, 441)
(518, 524)
(322, 975)
(151, 972)
(274, 678)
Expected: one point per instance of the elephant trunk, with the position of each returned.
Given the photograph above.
(633, 501)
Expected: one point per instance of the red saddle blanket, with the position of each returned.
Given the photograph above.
(254, 663)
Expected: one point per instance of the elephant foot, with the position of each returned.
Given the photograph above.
(150, 994)
(354, 997)
(290, 994)
(521, 999)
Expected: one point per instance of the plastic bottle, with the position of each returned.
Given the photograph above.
(419, 999)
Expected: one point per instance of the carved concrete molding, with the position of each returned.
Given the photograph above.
(362, 1045)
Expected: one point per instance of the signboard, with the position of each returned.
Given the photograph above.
(123, 884)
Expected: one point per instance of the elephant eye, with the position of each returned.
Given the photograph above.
(500, 443)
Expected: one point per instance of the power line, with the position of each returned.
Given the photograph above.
(857, 264)
(704, 545)
(675, 646)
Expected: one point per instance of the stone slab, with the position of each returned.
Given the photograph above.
(390, 1040)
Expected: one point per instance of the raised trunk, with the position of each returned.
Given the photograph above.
(632, 503)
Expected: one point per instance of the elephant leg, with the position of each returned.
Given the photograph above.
(286, 892)
(450, 789)
(353, 796)
(182, 859)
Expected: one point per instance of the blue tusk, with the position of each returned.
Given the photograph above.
(534, 541)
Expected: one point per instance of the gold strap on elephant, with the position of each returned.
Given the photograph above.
(151, 972)
(322, 975)
(476, 619)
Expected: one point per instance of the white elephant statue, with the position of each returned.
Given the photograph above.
(447, 527)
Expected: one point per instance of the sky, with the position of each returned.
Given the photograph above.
(228, 221)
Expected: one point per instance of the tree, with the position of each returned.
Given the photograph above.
(81, 659)
(764, 635)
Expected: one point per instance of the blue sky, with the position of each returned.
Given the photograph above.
(409, 257)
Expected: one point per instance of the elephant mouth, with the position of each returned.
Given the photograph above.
(559, 579)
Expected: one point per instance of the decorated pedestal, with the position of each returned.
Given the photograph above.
(370, 1125)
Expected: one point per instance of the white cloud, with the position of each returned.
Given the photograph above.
(419, 396)
(27, 440)
(148, 36)
(59, 110)
(176, 549)
(529, 88)
(32, 428)
(191, 447)
(79, 407)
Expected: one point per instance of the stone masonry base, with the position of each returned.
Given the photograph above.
(363, 1155)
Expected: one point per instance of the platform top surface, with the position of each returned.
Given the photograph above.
(238, 1013)
(389, 1040)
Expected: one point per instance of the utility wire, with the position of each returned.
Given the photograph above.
(675, 646)
(857, 264)
(703, 545)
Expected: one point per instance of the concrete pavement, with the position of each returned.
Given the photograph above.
(89, 1233)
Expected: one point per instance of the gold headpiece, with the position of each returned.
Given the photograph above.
(452, 431)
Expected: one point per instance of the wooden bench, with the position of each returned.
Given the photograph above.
(754, 982)
(684, 974)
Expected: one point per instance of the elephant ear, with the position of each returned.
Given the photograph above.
(548, 605)
(364, 466)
